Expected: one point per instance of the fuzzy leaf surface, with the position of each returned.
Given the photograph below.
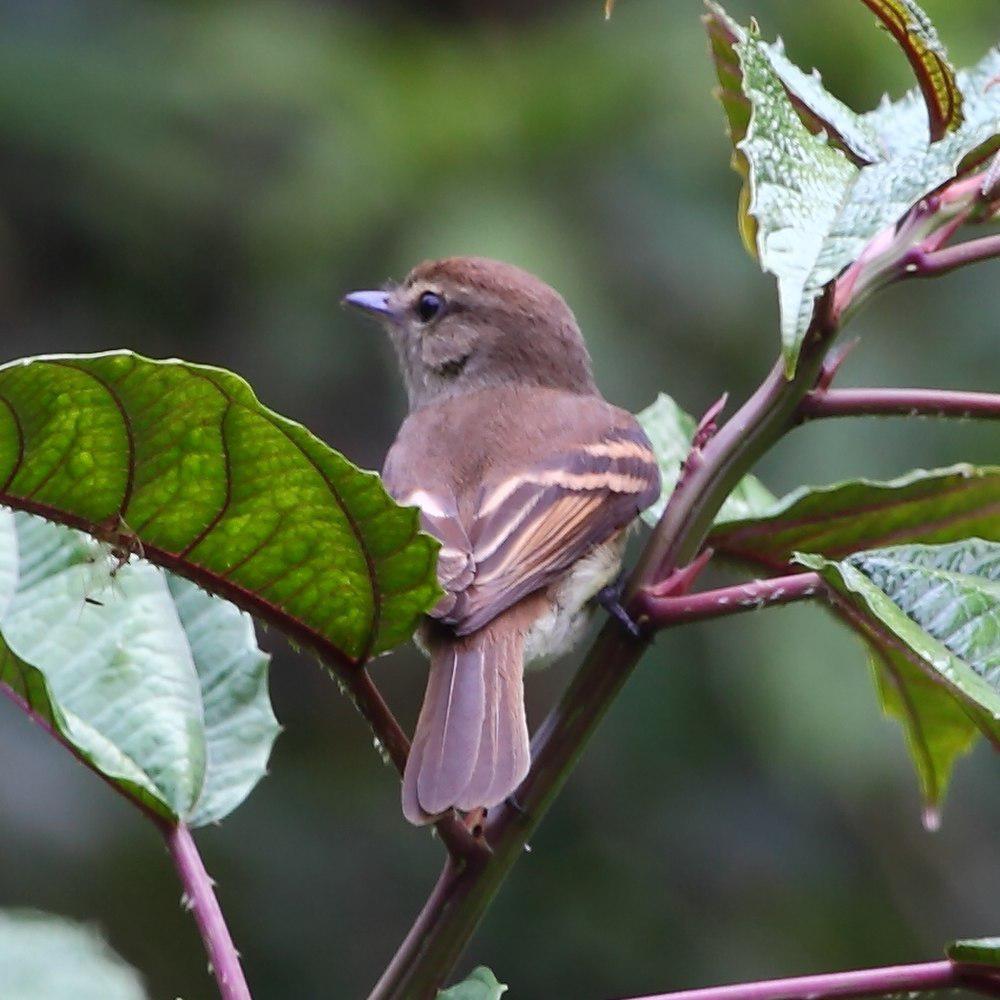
(822, 181)
(219, 488)
(155, 684)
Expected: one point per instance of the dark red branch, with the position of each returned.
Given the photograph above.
(931, 263)
(823, 403)
(663, 612)
(921, 978)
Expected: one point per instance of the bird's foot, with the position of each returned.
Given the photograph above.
(610, 598)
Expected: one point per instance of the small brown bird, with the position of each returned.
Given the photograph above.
(528, 478)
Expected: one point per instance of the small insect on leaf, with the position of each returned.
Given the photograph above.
(122, 541)
(94, 601)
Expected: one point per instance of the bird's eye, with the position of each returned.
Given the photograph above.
(429, 305)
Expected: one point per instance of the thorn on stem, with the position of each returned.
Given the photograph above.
(680, 581)
(833, 362)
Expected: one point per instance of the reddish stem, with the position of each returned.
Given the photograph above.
(663, 612)
(861, 983)
(922, 263)
(199, 897)
(822, 403)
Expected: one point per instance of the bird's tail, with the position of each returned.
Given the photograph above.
(470, 748)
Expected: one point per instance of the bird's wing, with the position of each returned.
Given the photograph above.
(532, 524)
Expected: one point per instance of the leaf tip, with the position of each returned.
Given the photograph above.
(931, 818)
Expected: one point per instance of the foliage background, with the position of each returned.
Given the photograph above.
(205, 180)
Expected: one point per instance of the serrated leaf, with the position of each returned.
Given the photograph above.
(44, 957)
(216, 486)
(915, 33)
(812, 214)
(157, 685)
(480, 984)
(798, 184)
(937, 607)
(976, 951)
(819, 110)
(670, 431)
(939, 505)
(901, 126)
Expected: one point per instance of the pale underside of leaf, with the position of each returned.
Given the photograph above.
(160, 687)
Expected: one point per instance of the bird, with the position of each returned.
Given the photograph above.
(529, 479)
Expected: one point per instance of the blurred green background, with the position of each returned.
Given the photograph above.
(206, 180)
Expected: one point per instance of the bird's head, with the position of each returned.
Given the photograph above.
(464, 323)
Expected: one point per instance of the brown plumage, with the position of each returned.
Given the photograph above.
(528, 477)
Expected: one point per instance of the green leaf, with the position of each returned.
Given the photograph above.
(936, 609)
(819, 110)
(157, 685)
(916, 35)
(815, 208)
(44, 957)
(798, 184)
(940, 505)
(938, 730)
(670, 431)
(215, 486)
(976, 951)
(480, 984)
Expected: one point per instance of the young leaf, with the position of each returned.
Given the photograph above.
(901, 126)
(480, 984)
(44, 957)
(670, 431)
(798, 184)
(919, 40)
(976, 951)
(215, 486)
(812, 213)
(940, 505)
(821, 112)
(157, 685)
(937, 607)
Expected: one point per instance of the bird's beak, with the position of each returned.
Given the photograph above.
(373, 302)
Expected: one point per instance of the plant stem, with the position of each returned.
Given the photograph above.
(929, 264)
(663, 612)
(823, 403)
(199, 897)
(198, 894)
(861, 983)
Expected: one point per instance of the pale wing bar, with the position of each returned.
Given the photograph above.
(533, 525)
